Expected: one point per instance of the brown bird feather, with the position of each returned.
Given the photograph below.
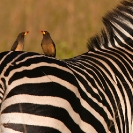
(48, 45)
(18, 45)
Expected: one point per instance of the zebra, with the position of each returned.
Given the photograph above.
(89, 93)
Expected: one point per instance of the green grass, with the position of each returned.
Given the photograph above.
(70, 23)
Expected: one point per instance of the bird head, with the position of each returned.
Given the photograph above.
(19, 43)
(22, 34)
(25, 33)
(44, 32)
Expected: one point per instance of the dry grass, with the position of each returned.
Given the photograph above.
(70, 23)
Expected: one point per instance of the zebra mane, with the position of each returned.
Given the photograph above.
(106, 37)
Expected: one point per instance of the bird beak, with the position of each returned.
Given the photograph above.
(43, 32)
(26, 32)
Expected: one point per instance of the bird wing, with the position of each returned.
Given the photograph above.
(54, 48)
(14, 46)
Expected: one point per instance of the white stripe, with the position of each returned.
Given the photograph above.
(1, 95)
(88, 107)
(132, 125)
(28, 119)
(113, 83)
(35, 55)
(33, 66)
(125, 53)
(1, 90)
(101, 90)
(0, 101)
(84, 77)
(124, 21)
(127, 14)
(129, 52)
(128, 107)
(93, 111)
(95, 100)
(10, 63)
(50, 78)
(130, 86)
(44, 79)
(121, 39)
(122, 30)
(115, 65)
(5, 57)
(27, 58)
(48, 100)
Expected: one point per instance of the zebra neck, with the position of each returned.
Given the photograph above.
(118, 28)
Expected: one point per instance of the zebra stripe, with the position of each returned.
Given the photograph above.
(90, 93)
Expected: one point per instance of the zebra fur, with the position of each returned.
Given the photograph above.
(90, 93)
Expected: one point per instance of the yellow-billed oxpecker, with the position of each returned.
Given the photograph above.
(19, 42)
(47, 44)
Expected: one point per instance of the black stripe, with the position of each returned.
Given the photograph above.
(114, 69)
(47, 111)
(69, 96)
(48, 89)
(43, 71)
(31, 128)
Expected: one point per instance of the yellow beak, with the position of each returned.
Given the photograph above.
(43, 32)
(26, 32)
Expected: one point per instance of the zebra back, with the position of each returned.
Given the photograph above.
(90, 93)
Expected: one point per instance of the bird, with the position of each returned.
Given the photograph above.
(18, 45)
(48, 45)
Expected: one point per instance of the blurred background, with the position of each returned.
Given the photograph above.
(70, 22)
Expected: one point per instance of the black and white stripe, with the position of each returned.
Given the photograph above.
(90, 93)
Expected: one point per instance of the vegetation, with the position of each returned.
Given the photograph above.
(70, 23)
